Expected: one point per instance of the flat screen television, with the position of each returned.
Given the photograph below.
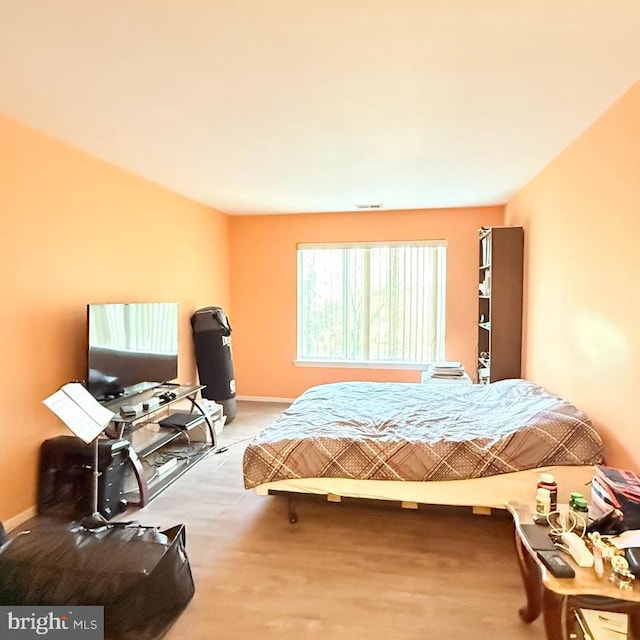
(131, 347)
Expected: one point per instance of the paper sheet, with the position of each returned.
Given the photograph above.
(605, 625)
(79, 410)
(626, 539)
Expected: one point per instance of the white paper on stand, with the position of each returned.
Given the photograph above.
(80, 411)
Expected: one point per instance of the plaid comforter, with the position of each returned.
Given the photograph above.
(405, 431)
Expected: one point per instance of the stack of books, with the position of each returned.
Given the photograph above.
(446, 370)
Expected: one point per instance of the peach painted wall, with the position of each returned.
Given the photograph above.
(582, 249)
(263, 289)
(77, 230)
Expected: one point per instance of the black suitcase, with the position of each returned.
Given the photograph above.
(65, 482)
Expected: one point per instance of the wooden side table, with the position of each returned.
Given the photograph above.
(555, 598)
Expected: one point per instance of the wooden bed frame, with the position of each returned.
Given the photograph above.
(481, 494)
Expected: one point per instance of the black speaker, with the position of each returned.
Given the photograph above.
(65, 483)
(212, 341)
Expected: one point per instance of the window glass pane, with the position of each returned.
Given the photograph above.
(371, 303)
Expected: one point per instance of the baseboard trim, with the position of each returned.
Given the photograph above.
(16, 521)
(264, 399)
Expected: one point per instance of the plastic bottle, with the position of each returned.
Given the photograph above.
(573, 497)
(543, 502)
(580, 510)
(548, 482)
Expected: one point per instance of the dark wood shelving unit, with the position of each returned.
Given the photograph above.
(500, 270)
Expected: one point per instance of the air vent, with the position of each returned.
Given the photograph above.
(369, 206)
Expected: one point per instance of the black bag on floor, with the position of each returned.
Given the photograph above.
(141, 575)
(65, 481)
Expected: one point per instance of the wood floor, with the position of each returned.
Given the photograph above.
(348, 571)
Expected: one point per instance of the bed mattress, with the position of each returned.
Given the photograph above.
(425, 433)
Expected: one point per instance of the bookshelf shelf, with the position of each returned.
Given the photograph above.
(500, 260)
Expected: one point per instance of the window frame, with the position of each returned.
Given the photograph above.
(370, 364)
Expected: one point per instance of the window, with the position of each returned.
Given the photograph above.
(371, 303)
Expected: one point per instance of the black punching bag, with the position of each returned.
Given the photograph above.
(212, 340)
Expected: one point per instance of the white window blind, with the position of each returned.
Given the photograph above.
(372, 303)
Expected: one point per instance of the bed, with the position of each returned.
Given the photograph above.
(453, 444)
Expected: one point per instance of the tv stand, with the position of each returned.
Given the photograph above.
(113, 396)
(159, 455)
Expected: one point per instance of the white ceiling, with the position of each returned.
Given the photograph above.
(267, 106)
